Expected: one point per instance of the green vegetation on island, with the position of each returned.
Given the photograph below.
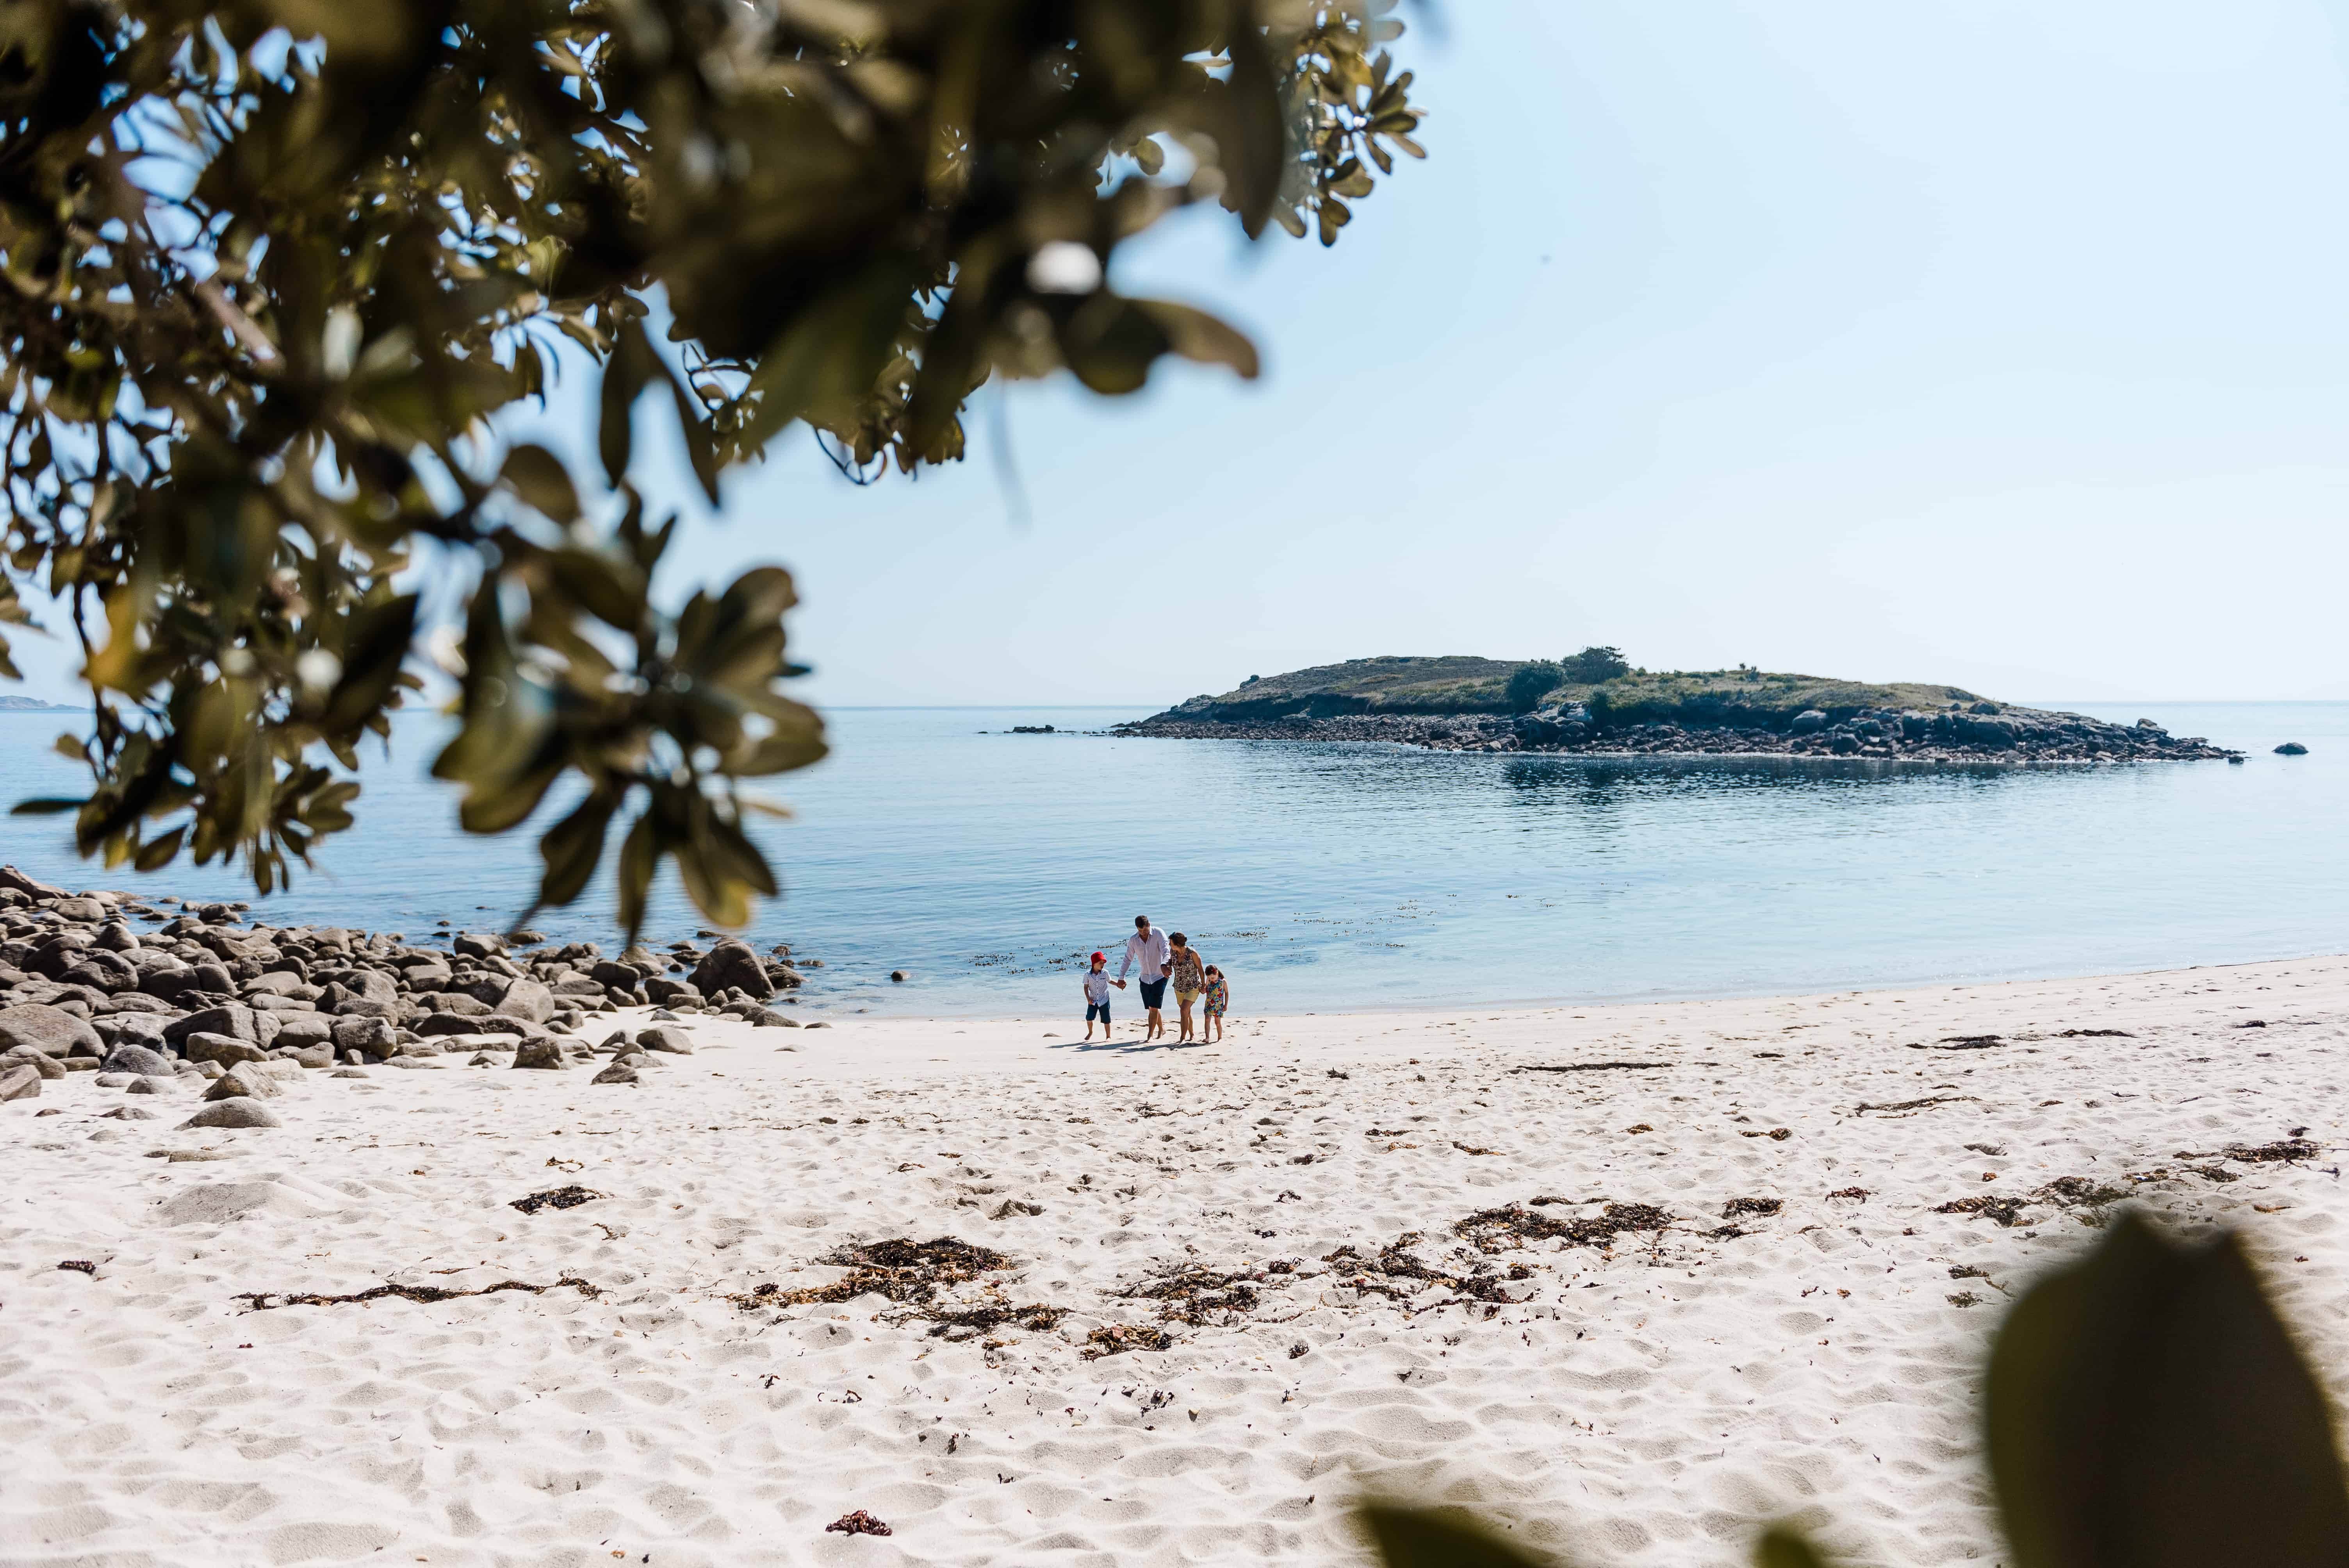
(1462, 683)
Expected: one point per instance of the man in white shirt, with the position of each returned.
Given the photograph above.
(1149, 948)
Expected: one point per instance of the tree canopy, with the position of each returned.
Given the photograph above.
(274, 268)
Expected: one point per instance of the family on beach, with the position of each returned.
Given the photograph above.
(1162, 957)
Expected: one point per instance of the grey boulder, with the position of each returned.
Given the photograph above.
(239, 1112)
(527, 999)
(20, 1083)
(225, 1050)
(540, 1053)
(245, 1080)
(50, 1030)
(732, 964)
(41, 1062)
(665, 1038)
(233, 1019)
(138, 1060)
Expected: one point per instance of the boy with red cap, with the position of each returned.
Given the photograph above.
(1097, 985)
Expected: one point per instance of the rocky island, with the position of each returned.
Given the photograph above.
(1460, 703)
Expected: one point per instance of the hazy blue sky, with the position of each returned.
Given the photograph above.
(1984, 340)
(1994, 341)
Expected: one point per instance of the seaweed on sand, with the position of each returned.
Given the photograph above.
(1116, 1338)
(1911, 1105)
(1493, 1229)
(2007, 1211)
(2283, 1149)
(556, 1198)
(1379, 1276)
(911, 1274)
(1738, 1207)
(261, 1302)
(955, 1325)
(900, 1270)
(1204, 1297)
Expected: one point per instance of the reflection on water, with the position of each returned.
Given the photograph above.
(1329, 877)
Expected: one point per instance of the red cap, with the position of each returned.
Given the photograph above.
(1099, 958)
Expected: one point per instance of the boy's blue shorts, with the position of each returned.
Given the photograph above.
(1096, 1010)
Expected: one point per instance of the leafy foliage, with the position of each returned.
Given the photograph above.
(2146, 1408)
(1532, 683)
(1592, 665)
(274, 267)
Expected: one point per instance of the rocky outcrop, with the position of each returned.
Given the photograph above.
(1976, 732)
(208, 993)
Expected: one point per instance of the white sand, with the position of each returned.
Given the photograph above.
(1651, 1405)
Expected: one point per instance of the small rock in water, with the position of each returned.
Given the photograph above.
(899, 976)
(2291, 748)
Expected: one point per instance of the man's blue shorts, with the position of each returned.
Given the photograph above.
(1096, 1010)
(1154, 993)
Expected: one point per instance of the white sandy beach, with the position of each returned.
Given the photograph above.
(1649, 1403)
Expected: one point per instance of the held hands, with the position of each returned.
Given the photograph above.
(1118, 984)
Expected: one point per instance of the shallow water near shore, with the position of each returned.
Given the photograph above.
(1333, 877)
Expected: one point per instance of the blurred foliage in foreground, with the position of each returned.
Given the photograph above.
(2145, 1408)
(273, 266)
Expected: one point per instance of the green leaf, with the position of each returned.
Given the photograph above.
(631, 364)
(572, 847)
(1200, 337)
(698, 447)
(538, 475)
(2147, 1408)
(1419, 1537)
(375, 644)
(1780, 1547)
(157, 854)
(640, 854)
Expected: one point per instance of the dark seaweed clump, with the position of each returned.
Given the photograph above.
(1496, 1230)
(556, 1198)
(2007, 1211)
(1116, 1338)
(260, 1301)
(1204, 1297)
(2271, 1153)
(1738, 1207)
(901, 1270)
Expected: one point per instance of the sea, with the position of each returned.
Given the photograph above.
(985, 865)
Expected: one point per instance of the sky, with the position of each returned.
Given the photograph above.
(1980, 341)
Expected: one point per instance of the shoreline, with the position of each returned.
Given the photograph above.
(1633, 1281)
(2013, 738)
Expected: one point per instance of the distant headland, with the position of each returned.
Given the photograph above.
(35, 704)
(1596, 703)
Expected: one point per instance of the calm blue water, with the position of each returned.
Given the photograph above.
(1333, 877)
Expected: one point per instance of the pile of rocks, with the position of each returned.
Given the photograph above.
(209, 995)
(1985, 732)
